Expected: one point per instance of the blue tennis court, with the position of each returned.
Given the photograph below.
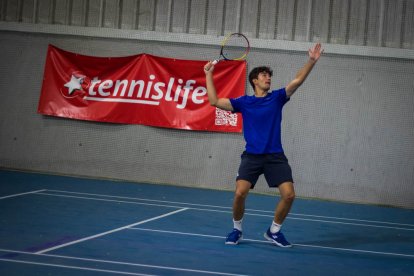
(57, 225)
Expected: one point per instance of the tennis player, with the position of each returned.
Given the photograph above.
(262, 116)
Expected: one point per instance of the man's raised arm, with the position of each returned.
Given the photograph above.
(314, 55)
(222, 103)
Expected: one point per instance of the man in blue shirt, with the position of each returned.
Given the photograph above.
(262, 117)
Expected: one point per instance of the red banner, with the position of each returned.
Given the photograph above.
(140, 89)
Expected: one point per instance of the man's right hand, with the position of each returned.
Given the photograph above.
(209, 67)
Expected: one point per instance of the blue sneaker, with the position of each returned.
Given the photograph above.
(234, 237)
(277, 238)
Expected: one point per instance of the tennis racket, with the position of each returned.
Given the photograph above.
(235, 46)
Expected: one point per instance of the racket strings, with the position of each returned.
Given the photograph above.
(235, 47)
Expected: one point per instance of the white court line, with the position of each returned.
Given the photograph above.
(338, 222)
(32, 192)
(296, 244)
(74, 267)
(229, 208)
(116, 201)
(124, 263)
(109, 232)
(222, 211)
(359, 220)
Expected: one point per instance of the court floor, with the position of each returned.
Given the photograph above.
(56, 225)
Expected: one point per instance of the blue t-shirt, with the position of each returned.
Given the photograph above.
(262, 121)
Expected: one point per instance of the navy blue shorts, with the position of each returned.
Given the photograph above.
(274, 166)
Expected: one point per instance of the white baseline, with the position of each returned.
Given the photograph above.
(27, 193)
(109, 232)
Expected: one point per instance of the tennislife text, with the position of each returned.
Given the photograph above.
(146, 92)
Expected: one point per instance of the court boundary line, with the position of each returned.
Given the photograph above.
(75, 267)
(110, 231)
(21, 194)
(229, 211)
(226, 207)
(121, 263)
(268, 242)
(42, 192)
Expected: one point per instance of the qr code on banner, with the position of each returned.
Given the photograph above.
(225, 118)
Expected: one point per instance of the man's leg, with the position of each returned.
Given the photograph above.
(273, 234)
(287, 196)
(242, 190)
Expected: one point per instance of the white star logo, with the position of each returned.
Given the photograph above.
(74, 84)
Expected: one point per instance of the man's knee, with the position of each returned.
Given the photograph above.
(242, 189)
(287, 192)
(289, 197)
(240, 194)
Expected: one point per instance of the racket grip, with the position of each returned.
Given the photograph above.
(214, 62)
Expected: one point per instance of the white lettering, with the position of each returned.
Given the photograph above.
(168, 94)
(124, 84)
(178, 90)
(116, 91)
(187, 89)
(93, 83)
(134, 83)
(106, 84)
(147, 93)
(157, 88)
(196, 94)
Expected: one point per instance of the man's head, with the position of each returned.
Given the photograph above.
(257, 73)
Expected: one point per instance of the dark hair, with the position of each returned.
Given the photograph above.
(254, 74)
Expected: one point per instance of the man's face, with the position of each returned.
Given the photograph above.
(263, 81)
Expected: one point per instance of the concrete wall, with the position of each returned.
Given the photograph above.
(348, 132)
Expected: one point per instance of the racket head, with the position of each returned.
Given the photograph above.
(235, 46)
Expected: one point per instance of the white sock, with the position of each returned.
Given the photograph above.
(237, 224)
(274, 228)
